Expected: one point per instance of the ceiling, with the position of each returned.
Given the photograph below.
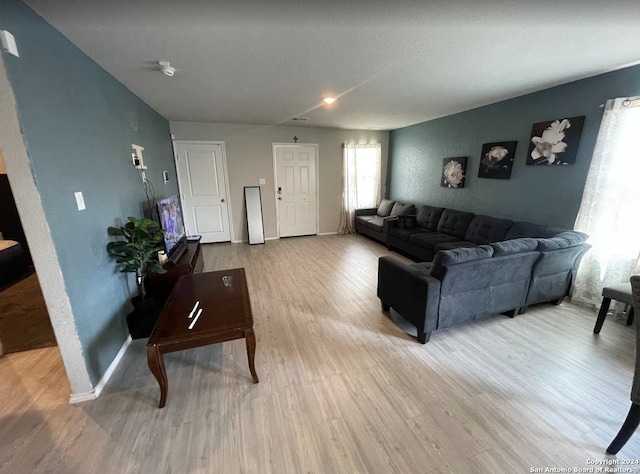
(391, 63)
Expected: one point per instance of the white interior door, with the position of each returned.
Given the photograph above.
(296, 194)
(202, 178)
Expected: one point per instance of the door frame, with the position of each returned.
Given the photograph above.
(175, 142)
(275, 145)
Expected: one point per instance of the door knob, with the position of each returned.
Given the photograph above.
(279, 198)
(223, 200)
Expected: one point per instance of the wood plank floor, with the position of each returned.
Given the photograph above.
(343, 388)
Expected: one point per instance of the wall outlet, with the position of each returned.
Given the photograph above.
(262, 181)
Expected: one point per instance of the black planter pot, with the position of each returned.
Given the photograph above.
(144, 317)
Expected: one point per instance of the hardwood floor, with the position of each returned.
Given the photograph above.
(343, 388)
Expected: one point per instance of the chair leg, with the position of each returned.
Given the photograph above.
(628, 427)
(604, 307)
(630, 316)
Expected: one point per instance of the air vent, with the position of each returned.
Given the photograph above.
(299, 119)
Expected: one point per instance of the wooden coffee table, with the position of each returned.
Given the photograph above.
(223, 299)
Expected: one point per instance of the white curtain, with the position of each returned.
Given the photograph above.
(361, 182)
(610, 206)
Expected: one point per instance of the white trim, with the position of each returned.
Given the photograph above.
(95, 393)
(329, 233)
(275, 181)
(224, 168)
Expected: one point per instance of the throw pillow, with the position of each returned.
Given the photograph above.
(385, 207)
(400, 209)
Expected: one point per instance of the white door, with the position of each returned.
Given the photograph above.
(202, 178)
(295, 184)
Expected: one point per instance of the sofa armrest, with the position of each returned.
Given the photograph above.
(367, 212)
(410, 291)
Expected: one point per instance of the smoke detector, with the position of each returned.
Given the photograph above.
(166, 68)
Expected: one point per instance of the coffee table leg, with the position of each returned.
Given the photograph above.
(250, 337)
(156, 364)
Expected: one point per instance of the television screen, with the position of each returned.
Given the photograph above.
(171, 222)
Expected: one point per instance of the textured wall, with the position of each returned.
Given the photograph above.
(250, 157)
(78, 124)
(548, 195)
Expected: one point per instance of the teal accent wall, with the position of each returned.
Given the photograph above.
(544, 194)
(78, 124)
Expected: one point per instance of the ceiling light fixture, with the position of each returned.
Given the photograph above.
(166, 68)
(329, 100)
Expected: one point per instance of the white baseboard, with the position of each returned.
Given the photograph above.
(95, 393)
(329, 233)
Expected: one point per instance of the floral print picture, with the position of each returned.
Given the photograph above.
(453, 171)
(555, 142)
(496, 160)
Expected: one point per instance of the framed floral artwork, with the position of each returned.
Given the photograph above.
(453, 172)
(555, 142)
(496, 160)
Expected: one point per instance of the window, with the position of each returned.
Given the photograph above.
(609, 207)
(361, 182)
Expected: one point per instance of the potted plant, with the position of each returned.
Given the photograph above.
(137, 252)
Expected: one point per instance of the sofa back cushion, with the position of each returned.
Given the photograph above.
(400, 209)
(385, 207)
(569, 238)
(454, 223)
(462, 255)
(525, 229)
(428, 217)
(512, 246)
(486, 229)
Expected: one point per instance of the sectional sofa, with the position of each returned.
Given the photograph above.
(460, 285)
(462, 253)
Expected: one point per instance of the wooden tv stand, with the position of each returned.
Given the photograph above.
(161, 284)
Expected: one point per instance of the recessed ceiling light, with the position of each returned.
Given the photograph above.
(329, 100)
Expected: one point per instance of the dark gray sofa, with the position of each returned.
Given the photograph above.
(435, 231)
(374, 222)
(460, 285)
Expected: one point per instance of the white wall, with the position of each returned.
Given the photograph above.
(250, 157)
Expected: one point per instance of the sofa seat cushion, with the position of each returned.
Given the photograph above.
(424, 267)
(525, 229)
(454, 245)
(385, 207)
(377, 223)
(400, 209)
(562, 240)
(431, 239)
(428, 217)
(404, 234)
(486, 229)
(509, 247)
(454, 223)
(364, 219)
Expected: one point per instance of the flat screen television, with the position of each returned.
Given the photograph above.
(172, 225)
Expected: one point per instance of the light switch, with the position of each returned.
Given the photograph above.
(262, 181)
(80, 201)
